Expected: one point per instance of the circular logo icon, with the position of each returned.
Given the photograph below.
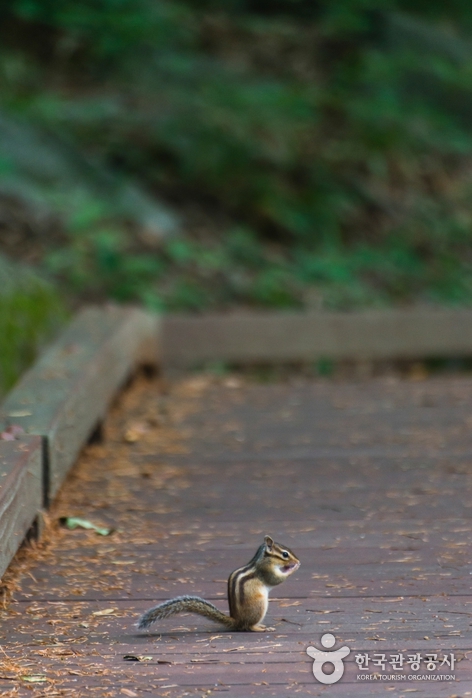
(333, 657)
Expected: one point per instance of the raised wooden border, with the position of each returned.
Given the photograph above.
(21, 492)
(264, 337)
(67, 392)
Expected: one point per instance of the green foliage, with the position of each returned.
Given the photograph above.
(108, 28)
(337, 135)
(30, 311)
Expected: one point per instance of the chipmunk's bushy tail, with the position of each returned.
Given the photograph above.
(185, 604)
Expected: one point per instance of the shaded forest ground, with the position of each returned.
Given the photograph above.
(276, 155)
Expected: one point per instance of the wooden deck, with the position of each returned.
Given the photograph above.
(370, 483)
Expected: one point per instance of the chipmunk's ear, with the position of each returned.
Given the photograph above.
(269, 542)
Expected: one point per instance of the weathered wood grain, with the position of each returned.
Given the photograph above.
(370, 484)
(307, 336)
(69, 389)
(21, 492)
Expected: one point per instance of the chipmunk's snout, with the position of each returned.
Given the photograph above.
(291, 567)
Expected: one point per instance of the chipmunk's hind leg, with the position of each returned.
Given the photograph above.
(259, 628)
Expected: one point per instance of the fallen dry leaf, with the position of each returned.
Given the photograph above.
(105, 612)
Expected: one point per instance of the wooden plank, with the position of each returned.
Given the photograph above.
(308, 336)
(67, 392)
(21, 492)
(229, 673)
(366, 587)
(105, 685)
(363, 619)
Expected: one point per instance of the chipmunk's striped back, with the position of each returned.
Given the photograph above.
(239, 578)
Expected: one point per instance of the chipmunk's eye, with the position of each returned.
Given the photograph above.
(285, 554)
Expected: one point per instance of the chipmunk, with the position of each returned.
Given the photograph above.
(248, 592)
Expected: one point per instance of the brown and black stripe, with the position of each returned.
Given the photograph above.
(238, 579)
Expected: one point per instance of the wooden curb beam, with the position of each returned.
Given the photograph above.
(292, 337)
(21, 492)
(60, 401)
(67, 392)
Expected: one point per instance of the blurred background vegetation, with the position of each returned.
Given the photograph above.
(195, 155)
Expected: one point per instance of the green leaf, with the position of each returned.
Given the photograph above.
(72, 523)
